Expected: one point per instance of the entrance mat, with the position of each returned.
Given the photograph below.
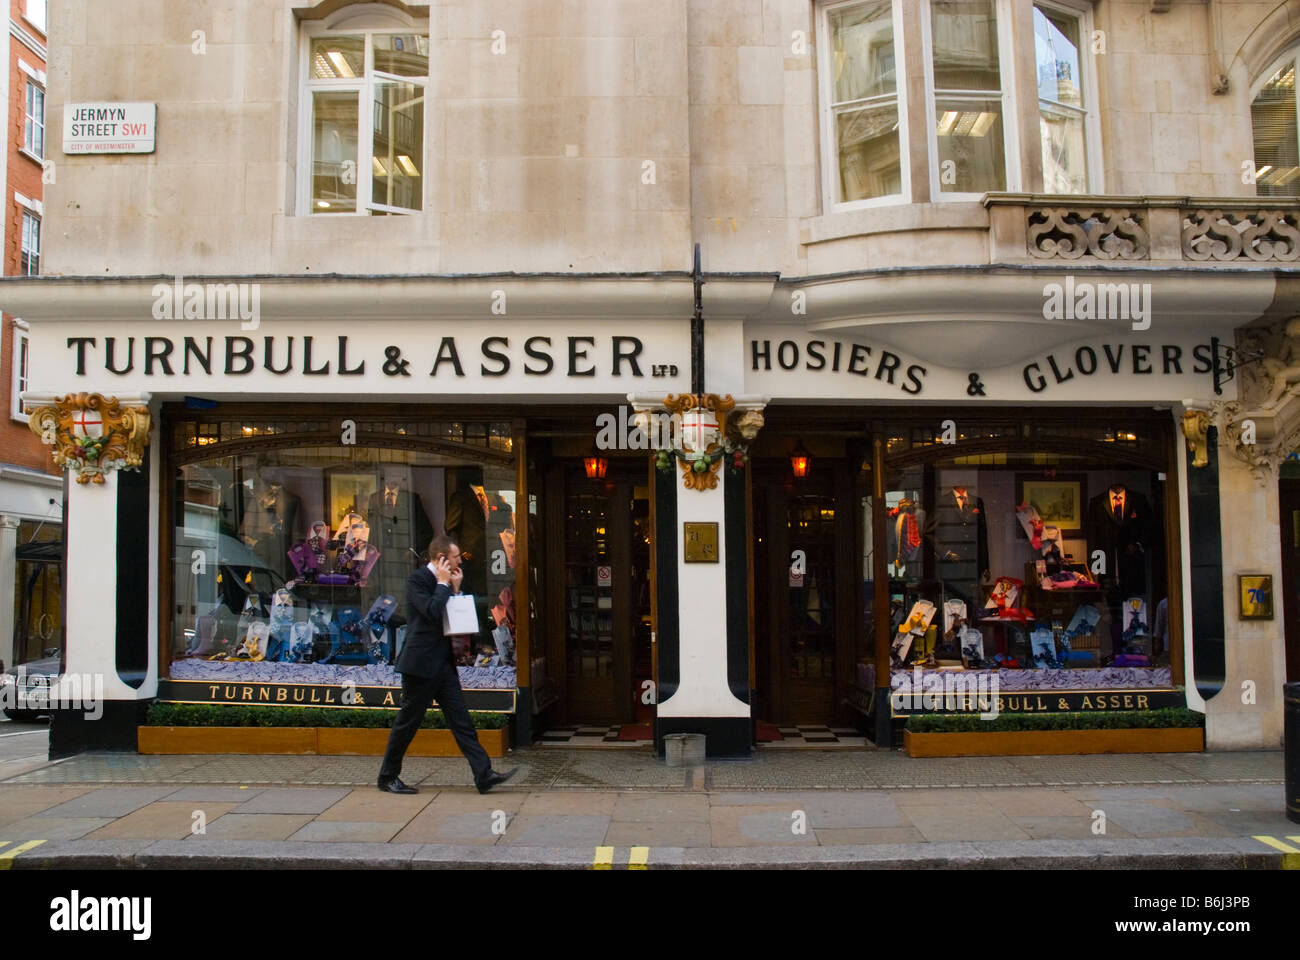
(636, 731)
(767, 733)
(815, 737)
(605, 737)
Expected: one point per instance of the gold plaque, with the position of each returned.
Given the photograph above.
(1256, 592)
(701, 541)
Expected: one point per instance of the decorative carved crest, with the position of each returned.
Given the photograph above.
(92, 435)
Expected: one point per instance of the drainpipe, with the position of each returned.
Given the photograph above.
(697, 331)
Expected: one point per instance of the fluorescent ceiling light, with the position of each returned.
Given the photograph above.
(1263, 170)
(378, 166)
(341, 67)
(946, 122)
(405, 162)
(322, 203)
(982, 124)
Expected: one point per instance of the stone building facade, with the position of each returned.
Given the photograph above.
(919, 224)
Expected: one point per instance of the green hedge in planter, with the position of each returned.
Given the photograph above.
(1163, 718)
(251, 715)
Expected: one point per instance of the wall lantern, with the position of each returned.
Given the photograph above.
(800, 461)
(596, 466)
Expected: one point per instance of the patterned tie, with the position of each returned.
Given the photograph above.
(1119, 508)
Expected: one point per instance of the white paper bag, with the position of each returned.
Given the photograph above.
(459, 615)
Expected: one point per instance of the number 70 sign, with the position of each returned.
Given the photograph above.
(1256, 596)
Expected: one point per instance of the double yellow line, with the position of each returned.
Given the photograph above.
(1291, 858)
(637, 859)
(7, 856)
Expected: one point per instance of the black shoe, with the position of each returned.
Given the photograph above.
(395, 785)
(494, 779)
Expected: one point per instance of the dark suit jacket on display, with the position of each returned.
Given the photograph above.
(1116, 537)
(964, 533)
(426, 651)
(395, 528)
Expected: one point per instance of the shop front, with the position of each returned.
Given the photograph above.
(1017, 537)
(250, 506)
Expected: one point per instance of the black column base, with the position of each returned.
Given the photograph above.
(71, 732)
(729, 738)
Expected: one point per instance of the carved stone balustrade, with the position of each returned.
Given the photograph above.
(1237, 232)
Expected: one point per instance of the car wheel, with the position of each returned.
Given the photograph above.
(23, 716)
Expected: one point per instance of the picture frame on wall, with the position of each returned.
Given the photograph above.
(1059, 500)
(348, 492)
(1255, 595)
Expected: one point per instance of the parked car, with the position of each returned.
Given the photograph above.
(28, 683)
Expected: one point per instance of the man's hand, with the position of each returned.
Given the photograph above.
(457, 576)
(442, 570)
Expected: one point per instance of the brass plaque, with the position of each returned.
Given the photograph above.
(701, 541)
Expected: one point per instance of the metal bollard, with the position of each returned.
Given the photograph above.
(684, 749)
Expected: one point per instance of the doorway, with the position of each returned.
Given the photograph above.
(600, 627)
(806, 621)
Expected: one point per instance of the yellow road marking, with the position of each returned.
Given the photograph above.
(604, 859)
(7, 858)
(1278, 844)
(638, 858)
(5, 843)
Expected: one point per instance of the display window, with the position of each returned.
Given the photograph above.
(292, 543)
(1038, 551)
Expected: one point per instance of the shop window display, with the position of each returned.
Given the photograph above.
(290, 562)
(1049, 568)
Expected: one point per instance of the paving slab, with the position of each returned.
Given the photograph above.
(368, 804)
(162, 820)
(52, 828)
(293, 800)
(107, 802)
(841, 836)
(656, 833)
(478, 828)
(1035, 803)
(554, 830)
(675, 807)
(336, 831)
(557, 802)
(214, 793)
(754, 826)
(1068, 827)
(1157, 818)
(253, 826)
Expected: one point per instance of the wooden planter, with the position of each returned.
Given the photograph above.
(326, 741)
(1021, 743)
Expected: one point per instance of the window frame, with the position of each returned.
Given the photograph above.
(32, 122)
(364, 87)
(1006, 95)
(23, 248)
(1088, 83)
(831, 202)
(21, 371)
(1290, 55)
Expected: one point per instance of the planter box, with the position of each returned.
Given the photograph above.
(328, 741)
(1022, 743)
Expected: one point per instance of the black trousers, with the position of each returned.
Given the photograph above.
(417, 695)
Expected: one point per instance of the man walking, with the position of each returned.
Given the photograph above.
(429, 672)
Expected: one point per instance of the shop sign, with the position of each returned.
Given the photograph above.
(313, 695)
(109, 127)
(1047, 701)
(508, 357)
(783, 362)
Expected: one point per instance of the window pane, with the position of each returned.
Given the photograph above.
(970, 136)
(965, 36)
(334, 152)
(1272, 115)
(862, 39)
(869, 154)
(338, 58)
(1056, 48)
(406, 55)
(1065, 156)
(399, 144)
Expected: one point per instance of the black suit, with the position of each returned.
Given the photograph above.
(429, 673)
(965, 535)
(1125, 541)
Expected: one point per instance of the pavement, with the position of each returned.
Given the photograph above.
(623, 808)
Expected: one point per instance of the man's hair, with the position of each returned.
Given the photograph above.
(440, 544)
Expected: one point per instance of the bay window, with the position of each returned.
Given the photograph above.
(1273, 121)
(863, 103)
(1063, 101)
(363, 113)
